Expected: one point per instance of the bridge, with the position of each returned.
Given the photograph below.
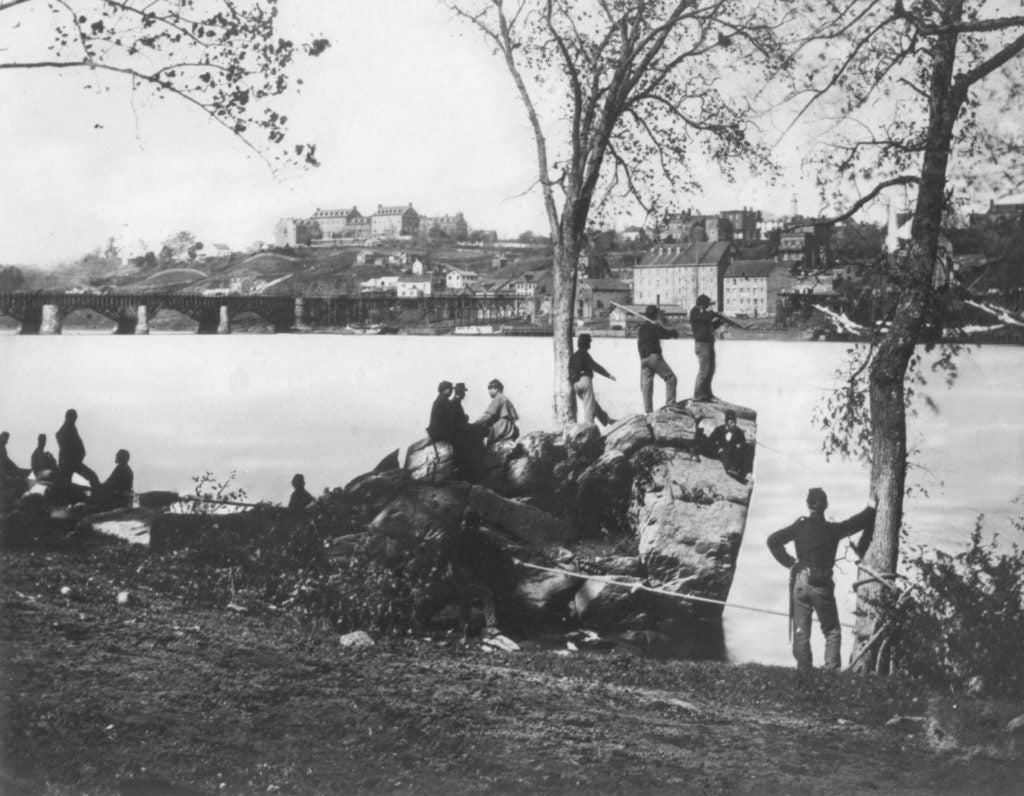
(43, 312)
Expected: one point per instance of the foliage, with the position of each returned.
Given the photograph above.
(320, 566)
(225, 58)
(961, 625)
(209, 491)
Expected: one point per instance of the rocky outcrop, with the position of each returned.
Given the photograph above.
(641, 506)
(612, 531)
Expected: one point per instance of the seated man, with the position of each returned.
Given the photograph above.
(117, 491)
(13, 479)
(42, 460)
(729, 444)
(300, 499)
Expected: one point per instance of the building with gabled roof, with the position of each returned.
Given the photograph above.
(750, 288)
(341, 223)
(394, 221)
(676, 273)
(594, 297)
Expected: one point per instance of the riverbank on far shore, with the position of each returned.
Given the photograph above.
(162, 690)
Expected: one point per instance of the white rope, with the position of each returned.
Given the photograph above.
(656, 590)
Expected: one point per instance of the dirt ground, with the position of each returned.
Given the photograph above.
(167, 695)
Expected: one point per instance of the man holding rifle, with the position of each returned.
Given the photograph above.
(704, 321)
(648, 340)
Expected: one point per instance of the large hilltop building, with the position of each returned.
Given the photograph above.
(348, 224)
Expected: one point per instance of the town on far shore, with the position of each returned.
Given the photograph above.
(781, 275)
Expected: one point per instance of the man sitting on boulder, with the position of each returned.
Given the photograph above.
(117, 491)
(728, 444)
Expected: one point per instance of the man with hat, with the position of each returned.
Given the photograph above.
(729, 444)
(704, 321)
(441, 428)
(459, 416)
(648, 343)
(812, 589)
(582, 368)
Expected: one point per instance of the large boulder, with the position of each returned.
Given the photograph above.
(546, 596)
(420, 508)
(433, 462)
(530, 468)
(599, 603)
(519, 520)
(693, 545)
(603, 492)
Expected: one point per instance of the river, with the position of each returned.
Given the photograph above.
(331, 406)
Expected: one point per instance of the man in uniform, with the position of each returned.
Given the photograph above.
(582, 368)
(648, 343)
(728, 444)
(71, 456)
(704, 321)
(441, 428)
(812, 589)
(117, 491)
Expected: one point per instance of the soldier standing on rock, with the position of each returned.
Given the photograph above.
(812, 589)
(648, 343)
(71, 455)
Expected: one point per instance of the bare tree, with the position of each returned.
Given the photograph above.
(223, 57)
(622, 96)
(922, 96)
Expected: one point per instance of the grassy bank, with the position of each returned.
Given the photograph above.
(172, 689)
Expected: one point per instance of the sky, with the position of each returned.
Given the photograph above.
(407, 106)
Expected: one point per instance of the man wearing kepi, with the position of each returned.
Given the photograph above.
(648, 343)
(812, 589)
(582, 368)
(704, 321)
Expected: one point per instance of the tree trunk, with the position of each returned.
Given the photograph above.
(890, 363)
(566, 258)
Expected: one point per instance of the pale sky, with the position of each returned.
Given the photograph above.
(406, 106)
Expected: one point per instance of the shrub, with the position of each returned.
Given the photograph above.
(961, 625)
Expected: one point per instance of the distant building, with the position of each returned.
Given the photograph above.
(413, 286)
(460, 279)
(345, 223)
(453, 226)
(394, 221)
(744, 223)
(594, 297)
(678, 273)
(296, 232)
(751, 287)
(805, 243)
(380, 285)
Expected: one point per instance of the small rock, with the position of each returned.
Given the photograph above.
(357, 639)
(65, 591)
(906, 723)
(124, 598)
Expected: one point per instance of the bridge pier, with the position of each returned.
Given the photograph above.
(142, 320)
(300, 324)
(224, 326)
(50, 321)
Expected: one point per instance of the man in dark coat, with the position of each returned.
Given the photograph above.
(704, 321)
(812, 589)
(582, 368)
(13, 479)
(728, 444)
(71, 454)
(648, 343)
(42, 459)
(117, 491)
(442, 427)
(300, 499)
